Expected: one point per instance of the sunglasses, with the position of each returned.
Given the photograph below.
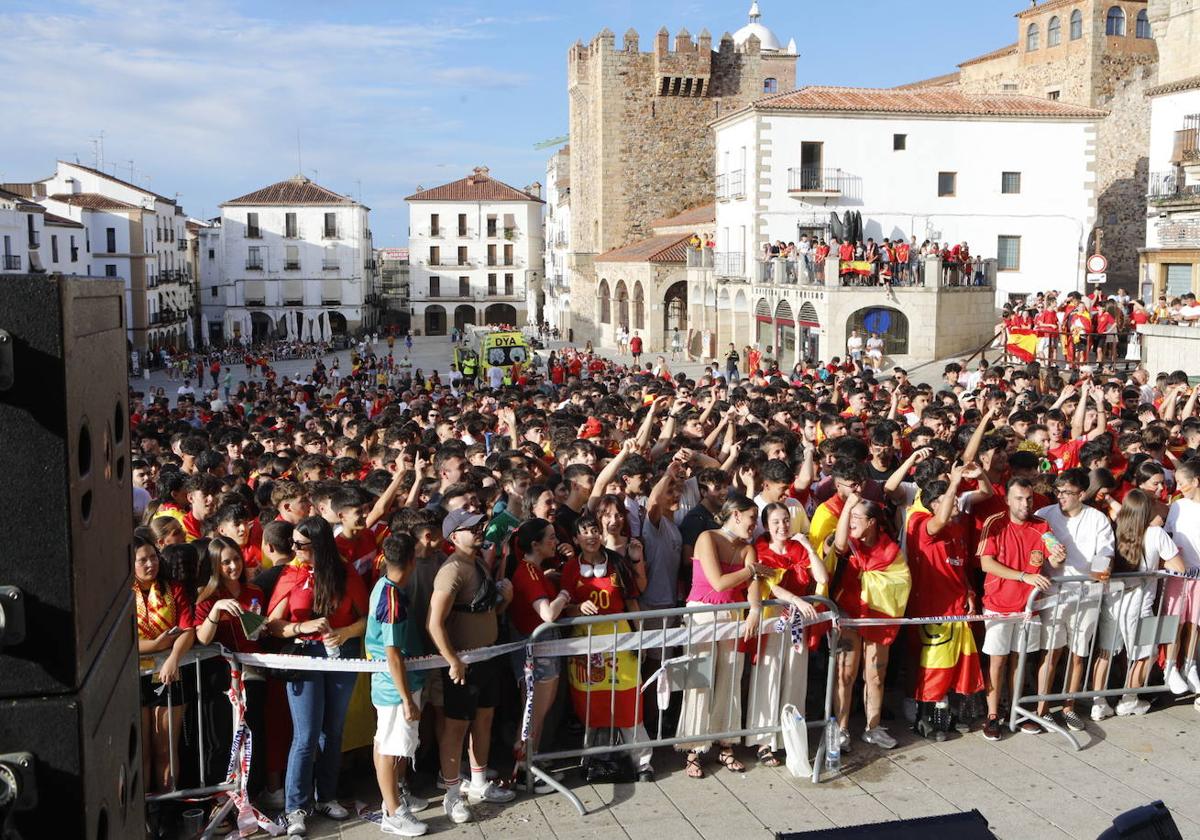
(301, 546)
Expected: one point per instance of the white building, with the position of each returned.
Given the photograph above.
(291, 260)
(1171, 259)
(1010, 175)
(21, 230)
(134, 234)
(555, 299)
(476, 249)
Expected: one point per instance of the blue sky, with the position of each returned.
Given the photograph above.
(206, 97)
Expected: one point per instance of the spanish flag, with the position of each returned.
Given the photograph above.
(1022, 344)
(947, 661)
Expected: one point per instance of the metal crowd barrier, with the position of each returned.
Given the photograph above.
(688, 657)
(1078, 609)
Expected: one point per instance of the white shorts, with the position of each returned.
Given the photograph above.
(393, 734)
(1072, 618)
(1121, 615)
(1000, 638)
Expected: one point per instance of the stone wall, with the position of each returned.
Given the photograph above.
(1166, 348)
(636, 155)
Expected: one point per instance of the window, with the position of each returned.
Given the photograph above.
(1076, 25)
(292, 257)
(254, 258)
(1008, 253)
(1054, 32)
(1115, 23)
(212, 253)
(212, 292)
(899, 142)
(462, 224)
(462, 255)
(74, 250)
(508, 284)
(1009, 87)
(770, 85)
(435, 225)
(53, 248)
(1010, 183)
(110, 270)
(491, 254)
(252, 229)
(110, 240)
(290, 229)
(508, 255)
(491, 227)
(947, 182)
(331, 225)
(491, 284)
(435, 255)
(1053, 95)
(435, 286)
(1032, 38)
(464, 286)
(1143, 25)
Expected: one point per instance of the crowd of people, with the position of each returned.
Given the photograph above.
(406, 516)
(889, 262)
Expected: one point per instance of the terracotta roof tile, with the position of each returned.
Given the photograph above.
(117, 180)
(1174, 87)
(669, 248)
(478, 186)
(61, 221)
(295, 190)
(920, 101)
(936, 81)
(692, 216)
(1011, 49)
(93, 201)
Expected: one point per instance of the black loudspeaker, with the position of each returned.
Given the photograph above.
(1149, 822)
(969, 825)
(65, 495)
(77, 756)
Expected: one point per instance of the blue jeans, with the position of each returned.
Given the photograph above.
(318, 702)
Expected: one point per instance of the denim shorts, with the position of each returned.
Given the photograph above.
(544, 667)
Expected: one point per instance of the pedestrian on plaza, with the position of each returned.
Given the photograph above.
(635, 348)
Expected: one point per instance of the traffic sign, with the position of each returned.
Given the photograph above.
(1097, 264)
(1097, 277)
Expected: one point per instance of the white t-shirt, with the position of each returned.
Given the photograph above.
(799, 517)
(854, 344)
(1189, 314)
(875, 346)
(1183, 524)
(495, 376)
(1087, 537)
(186, 391)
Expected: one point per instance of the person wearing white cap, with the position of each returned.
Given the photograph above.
(462, 616)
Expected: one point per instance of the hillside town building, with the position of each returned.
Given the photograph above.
(555, 294)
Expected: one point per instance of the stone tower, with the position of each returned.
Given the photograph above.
(641, 146)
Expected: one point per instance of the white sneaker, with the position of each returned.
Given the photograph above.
(456, 809)
(879, 737)
(333, 810)
(490, 792)
(1193, 678)
(296, 826)
(403, 823)
(1175, 681)
(1196, 704)
(1101, 709)
(415, 803)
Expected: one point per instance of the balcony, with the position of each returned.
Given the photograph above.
(1187, 142)
(699, 257)
(181, 245)
(291, 265)
(732, 185)
(253, 233)
(450, 262)
(729, 264)
(12, 262)
(330, 233)
(291, 233)
(1171, 188)
(778, 271)
(256, 302)
(331, 302)
(254, 264)
(806, 181)
(330, 265)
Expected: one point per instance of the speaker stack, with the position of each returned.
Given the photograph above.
(70, 741)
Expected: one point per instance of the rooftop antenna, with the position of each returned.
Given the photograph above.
(316, 174)
(130, 162)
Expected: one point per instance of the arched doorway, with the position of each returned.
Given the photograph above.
(604, 303)
(260, 326)
(810, 332)
(435, 320)
(500, 313)
(337, 322)
(675, 311)
(785, 335)
(741, 320)
(890, 324)
(463, 315)
(621, 296)
(639, 307)
(764, 326)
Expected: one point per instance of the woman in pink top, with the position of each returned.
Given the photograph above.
(723, 566)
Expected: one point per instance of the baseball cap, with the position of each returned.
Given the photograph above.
(460, 520)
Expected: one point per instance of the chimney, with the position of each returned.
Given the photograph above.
(75, 186)
(534, 189)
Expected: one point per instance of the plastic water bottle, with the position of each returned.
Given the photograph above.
(833, 746)
(332, 651)
(255, 606)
